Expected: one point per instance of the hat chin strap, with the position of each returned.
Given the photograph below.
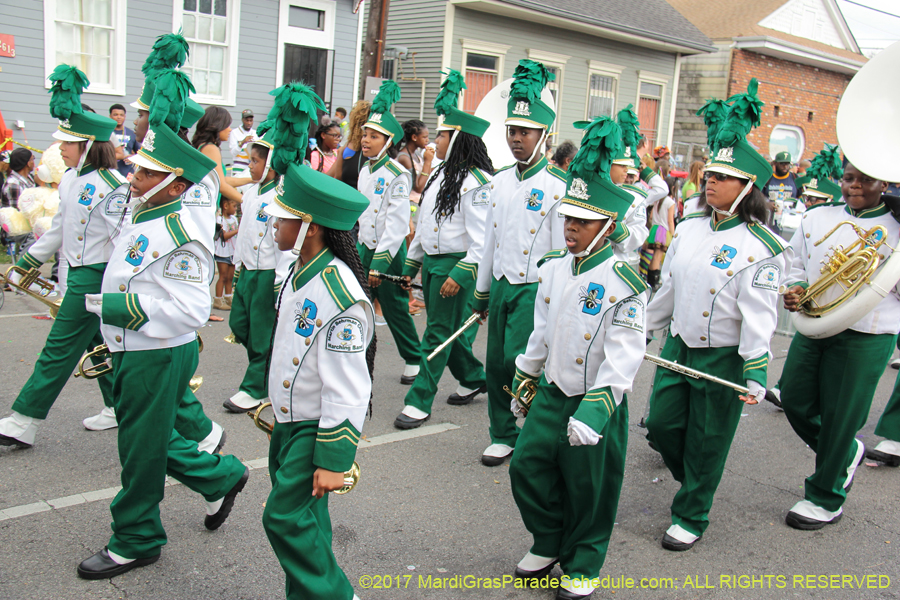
(302, 235)
(741, 196)
(450, 145)
(384, 149)
(142, 199)
(597, 239)
(87, 148)
(268, 165)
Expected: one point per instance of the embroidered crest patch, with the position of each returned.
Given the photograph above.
(134, 254)
(481, 196)
(630, 314)
(723, 257)
(198, 195)
(345, 335)
(399, 190)
(149, 141)
(578, 190)
(725, 155)
(379, 185)
(261, 214)
(115, 203)
(87, 195)
(534, 200)
(523, 109)
(183, 266)
(592, 298)
(305, 317)
(768, 277)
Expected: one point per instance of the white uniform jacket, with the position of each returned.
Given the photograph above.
(692, 207)
(631, 232)
(84, 227)
(588, 333)
(461, 232)
(658, 187)
(720, 288)
(156, 285)
(318, 370)
(523, 225)
(201, 202)
(385, 223)
(256, 249)
(805, 269)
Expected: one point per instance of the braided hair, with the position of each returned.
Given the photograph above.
(411, 128)
(468, 151)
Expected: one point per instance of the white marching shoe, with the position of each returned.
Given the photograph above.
(18, 430)
(103, 421)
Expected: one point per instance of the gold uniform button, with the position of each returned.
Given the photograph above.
(296, 361)
(156, 255)
(494, 204)
(525, 252)
(587, 336)
(464, 189)
(318, 322)
(543, 213)
(329, 270)
(374, 241)
(261, 234)
(284, 409)
(807, 235)
(705, 313)
(702, 338)
(730, 273)
(540, 280)
(286, 384)
(77, 256)
(376, 210)
(675, 236)
(498, 245)
(532, 231)
(579, 361)
(435, 228)
(712, 290)
(547, 299)
(122, 288)
(373, 227)
(612, 299)
(751, 259)
(118, 338)
(308, 341)
(521, 274)
(80, 238)
(256, 247)
(492, 187)
(83, 222)
(495, 225)
(556, 197)
(136, 270)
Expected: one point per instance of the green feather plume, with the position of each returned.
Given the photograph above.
(713, 113)
(600, 144)
(68, 83)
(631, 127)
(827, 164)
(170, 51)
(388, 95)
(448, 97)
(296, 105)
(173, 88)
(529, 80)
(745, 114)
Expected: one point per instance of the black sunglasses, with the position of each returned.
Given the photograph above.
(717, 176)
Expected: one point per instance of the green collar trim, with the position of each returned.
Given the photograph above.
(533, 170)
(157, 212)
(868, 213)
(374, 166)
(86, 169)
(267, 187)
(312, 268)
(725, 224)
(592, 260)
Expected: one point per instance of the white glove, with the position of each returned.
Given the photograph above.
(580, 434)
(757, 392)
(515, 408)
(93, 303)
(15, 277)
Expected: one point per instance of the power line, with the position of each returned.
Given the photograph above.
(873, 9)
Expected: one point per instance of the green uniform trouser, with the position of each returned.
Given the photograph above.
(692, 423)
(889, 424)
(148, 386)
(568, 495)
(74, 331)
(297, 523)
(190, 420)
(827, 388)
(395, 306)
(252, 319)
(510, 323)
(445, 316)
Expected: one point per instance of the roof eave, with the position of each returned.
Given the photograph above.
(522, 9)
(770, 46)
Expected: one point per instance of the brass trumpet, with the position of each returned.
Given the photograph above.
(231, 339)
(33, 277)
(523, 395)
(351, 477)
(104, 368)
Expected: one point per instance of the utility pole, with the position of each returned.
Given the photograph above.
(375, 34)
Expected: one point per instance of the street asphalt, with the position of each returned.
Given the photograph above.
(427, 520)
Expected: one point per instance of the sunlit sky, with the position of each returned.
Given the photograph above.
(873, 30)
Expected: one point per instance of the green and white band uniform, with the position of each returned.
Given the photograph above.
(719, 297)
(631, 233)
(586, 348)
(89, 209)
(522, 226)
(384, 225)
(319, 386)
(827, 385)
(692, 208)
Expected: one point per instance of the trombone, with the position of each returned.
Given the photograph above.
(33, 277)
(351, 477)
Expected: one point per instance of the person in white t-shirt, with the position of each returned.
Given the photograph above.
(227, 228)
(238, 141)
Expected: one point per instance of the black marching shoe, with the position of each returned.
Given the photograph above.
(405, 422)
(213, 522)
(564, 594)
(539, 574)
(101, 566)
(670, 543)
(457, 400)
(407, 379)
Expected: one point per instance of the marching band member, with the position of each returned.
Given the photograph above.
(713, 112)
(586, 348)
(631, 230)
(888, 449)
(261, 266)
(384, 225)
(719, 297)
(90, 204)
(447, 247)
(827, 385)
(319, 379)
(522, 226)
(155, 294)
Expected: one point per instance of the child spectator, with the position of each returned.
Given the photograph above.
(225, 244)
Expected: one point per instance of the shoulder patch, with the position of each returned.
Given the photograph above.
(629, 314)
(176, 229)
(183, 266)
(769, 240)
(394, 168)
(630, 277)
(556, 172)
(553, 254)
(635, 190)
(112, 178)
(480, 177)
(337, 288)
(345, 334)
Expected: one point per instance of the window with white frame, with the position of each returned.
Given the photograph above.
(650, 102)
(556, 64)
(482, 66)
(603, 87)
(787, 138)
(88, 35)
(211, 29)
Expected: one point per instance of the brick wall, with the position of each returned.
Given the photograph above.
(797, 90)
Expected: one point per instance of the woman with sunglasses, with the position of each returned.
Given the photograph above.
(719, 296)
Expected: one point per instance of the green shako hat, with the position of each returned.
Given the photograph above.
(820, 176)
(170, 51)
(75, 125)
(192, 113)
(713, 112)
(590, 193)
(628, 121)
(285, 132)
(380, 117)
(732, 154)
(304, 193)
(525, 107)
(162, 149)
(445, 105)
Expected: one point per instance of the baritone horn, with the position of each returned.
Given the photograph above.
(33, 277)
(351, 477)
